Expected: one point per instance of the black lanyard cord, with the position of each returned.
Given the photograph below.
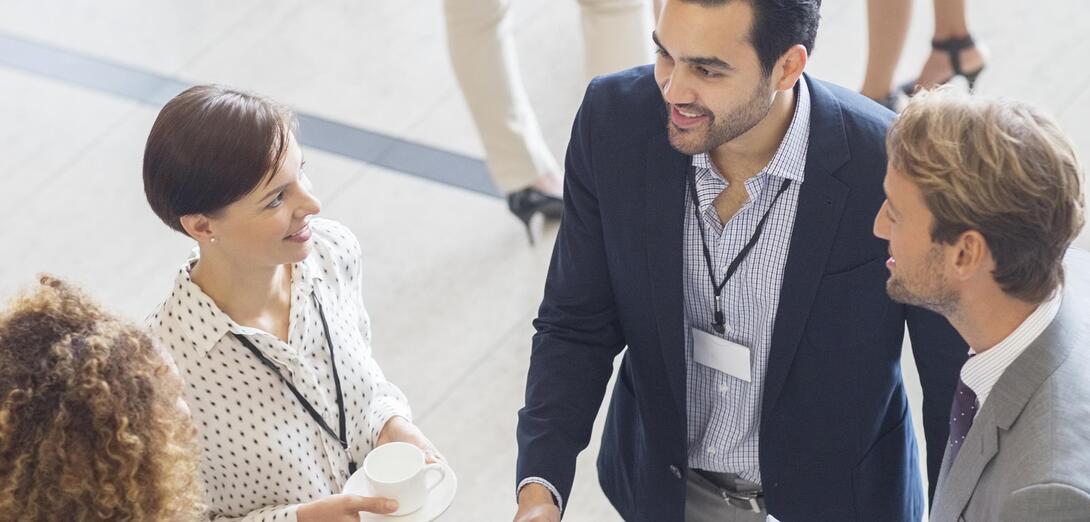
(720, 323)
(341, 435)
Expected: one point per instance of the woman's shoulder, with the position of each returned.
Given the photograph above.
(333, 237)
(164, 323)
(336, 249)
(164, 312)
(187, 319)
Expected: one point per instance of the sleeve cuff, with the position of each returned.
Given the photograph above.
(385, 409)
(266, 514)
(538, 480)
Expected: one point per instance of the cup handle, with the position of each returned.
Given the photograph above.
(441, 469)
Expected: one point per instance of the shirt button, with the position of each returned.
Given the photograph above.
(711, 451)
(723, 389)
(675, 471)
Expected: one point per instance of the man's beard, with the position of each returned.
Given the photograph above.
(734, 124)
(926, 287)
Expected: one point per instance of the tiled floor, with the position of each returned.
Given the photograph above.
(451, 283)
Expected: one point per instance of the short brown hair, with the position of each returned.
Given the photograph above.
(90, 425)
(777, 26)
(1001, 168)
(210, 146)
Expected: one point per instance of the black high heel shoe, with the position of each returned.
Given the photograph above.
(952, 47)
(529, 202)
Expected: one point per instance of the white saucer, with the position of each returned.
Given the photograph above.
(438, 500)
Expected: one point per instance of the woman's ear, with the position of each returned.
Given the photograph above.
(199, 227)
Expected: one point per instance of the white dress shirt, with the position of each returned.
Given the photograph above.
(983, 370)
(724, 412)
(262, 454)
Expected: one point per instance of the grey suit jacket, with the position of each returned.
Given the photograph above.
(1027, 456)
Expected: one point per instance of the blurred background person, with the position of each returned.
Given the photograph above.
(92, 423)
(485, 62)
(266, 319)
(954, 52)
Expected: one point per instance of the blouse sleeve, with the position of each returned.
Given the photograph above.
(283, 513)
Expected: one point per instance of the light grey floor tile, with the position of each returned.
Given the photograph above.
(446, 275)
(157, 35)
(377, 65)
(45, 128)
(474, 427)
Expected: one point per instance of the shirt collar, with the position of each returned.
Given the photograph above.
(195, 309)
(983, 370)
(200, 308)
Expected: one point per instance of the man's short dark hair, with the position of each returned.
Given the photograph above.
(777, 26)
(210, 146)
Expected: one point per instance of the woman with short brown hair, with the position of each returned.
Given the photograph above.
(266, 318)
(92, 426)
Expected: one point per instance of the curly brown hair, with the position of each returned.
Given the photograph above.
(91, 422)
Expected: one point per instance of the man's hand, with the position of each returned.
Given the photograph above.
(536, 504)
(343, 508)
(399, 429)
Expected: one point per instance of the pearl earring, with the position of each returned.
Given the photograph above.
(213, 240)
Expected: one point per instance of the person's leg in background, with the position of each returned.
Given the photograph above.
(616, 35)
(887, 28)
(953, 53)
(482, 52)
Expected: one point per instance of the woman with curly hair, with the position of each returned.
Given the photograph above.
(92, 425)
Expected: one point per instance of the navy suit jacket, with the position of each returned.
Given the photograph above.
(836, 438)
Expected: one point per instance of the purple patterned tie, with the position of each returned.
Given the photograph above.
(961, 417)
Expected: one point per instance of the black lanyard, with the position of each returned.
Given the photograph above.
(341, 436)
(720, 325)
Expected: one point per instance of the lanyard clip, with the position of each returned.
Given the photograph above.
(719, 325)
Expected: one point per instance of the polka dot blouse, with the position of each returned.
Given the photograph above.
(262, 454)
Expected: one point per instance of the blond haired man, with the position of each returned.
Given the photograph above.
(983, 199)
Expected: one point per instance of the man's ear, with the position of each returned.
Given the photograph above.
(790, 67)
(971, 255)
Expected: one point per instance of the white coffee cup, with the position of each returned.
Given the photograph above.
(398, 470)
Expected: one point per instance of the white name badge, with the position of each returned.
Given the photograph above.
(715, 352)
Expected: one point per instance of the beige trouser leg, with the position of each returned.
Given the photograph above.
(616, 35)
(482, 51)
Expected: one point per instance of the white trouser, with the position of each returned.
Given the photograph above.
(482, 50)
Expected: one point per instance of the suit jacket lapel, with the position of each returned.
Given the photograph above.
(664, 193)
(959, 478)
(820, 205)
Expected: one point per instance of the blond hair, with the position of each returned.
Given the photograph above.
(90, 421)
(1001, 168)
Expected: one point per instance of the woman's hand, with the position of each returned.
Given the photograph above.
(343, 508)
(399, 429)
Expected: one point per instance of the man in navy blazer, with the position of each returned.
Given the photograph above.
(785, 396)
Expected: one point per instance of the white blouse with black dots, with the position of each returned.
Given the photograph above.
(261, 452)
